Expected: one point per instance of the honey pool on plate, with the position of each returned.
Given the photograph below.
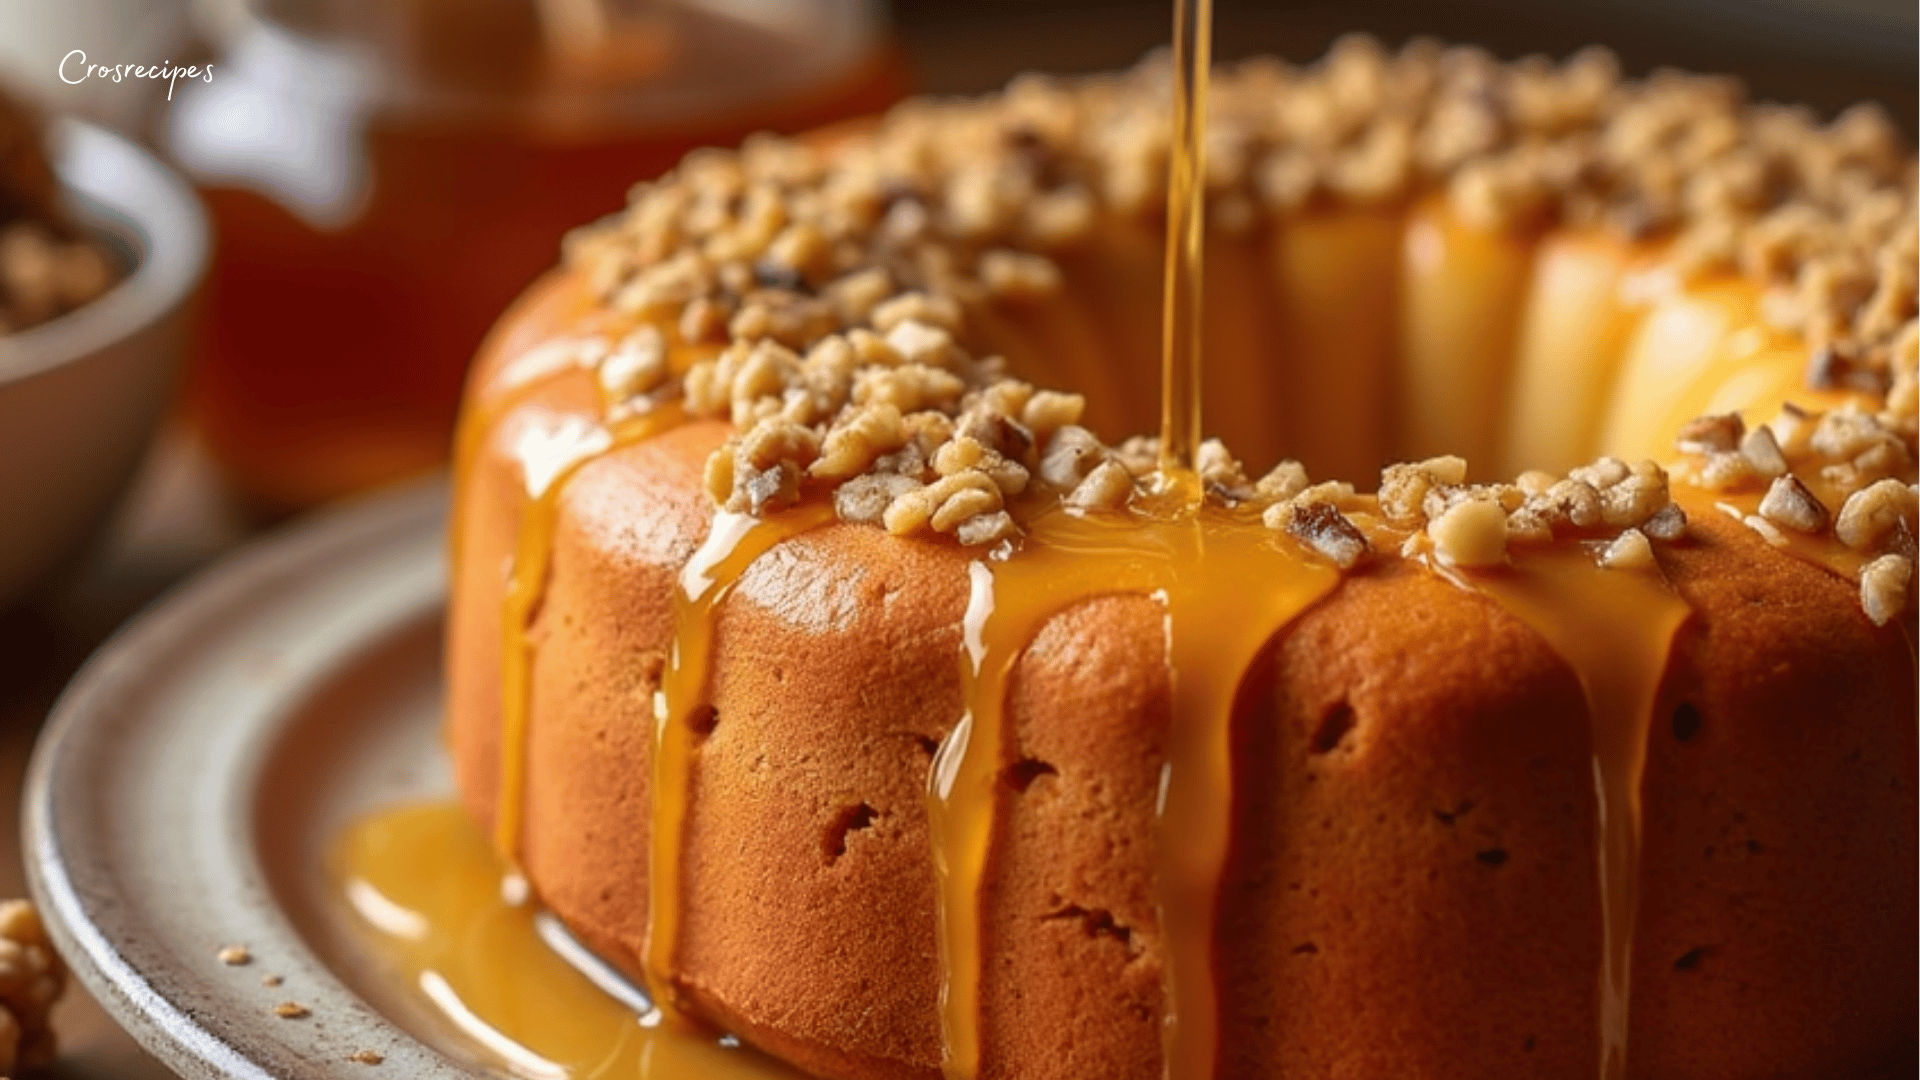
(450, 920)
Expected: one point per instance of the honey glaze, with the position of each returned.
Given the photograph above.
(1228, 585)
(549, 454)
(1615, 628)
(1824, 550)
(733, 542)
(451, 920)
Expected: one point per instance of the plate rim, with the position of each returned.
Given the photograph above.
(57, 877)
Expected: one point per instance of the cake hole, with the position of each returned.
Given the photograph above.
(1493, 856)
(927, 744)
(703, 720)
(850, 820)
(1306, 948)
(1691, 961)
(1527, 1047)
(1448, 817)
(1021, 774)
(1333, 729)
(653, 667)
(1097, 922)
(1686, 722)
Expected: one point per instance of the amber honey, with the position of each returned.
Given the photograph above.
(452, 921)
(332, 353)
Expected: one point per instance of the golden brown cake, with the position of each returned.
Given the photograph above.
(752, 498)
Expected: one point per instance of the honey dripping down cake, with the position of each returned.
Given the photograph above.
(1525, 687)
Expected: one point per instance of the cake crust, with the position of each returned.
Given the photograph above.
(1413, 886)
(805, 851)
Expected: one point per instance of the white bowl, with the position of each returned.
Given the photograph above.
(80, 396)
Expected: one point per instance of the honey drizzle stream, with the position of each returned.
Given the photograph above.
(733, 542)
(1228, 585)
(1616, 629)
(1181, 319)
(547, 463)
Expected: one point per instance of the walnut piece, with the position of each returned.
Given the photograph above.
(31, 980)
(1884, 586)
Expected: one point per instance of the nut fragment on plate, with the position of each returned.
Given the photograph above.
(31, 979)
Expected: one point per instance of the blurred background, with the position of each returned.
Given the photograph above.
(381, 177)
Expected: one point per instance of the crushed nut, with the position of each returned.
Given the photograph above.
(1629, 551)
(1668, 524)
(31, 980)
(234, 955)
(292, 1010)
(1711, 434)
(1470, 533)
(1884, 585)
(1108, 486)
(1789, 503)
(1761, 451)
(1870, 514)
(1323, 528)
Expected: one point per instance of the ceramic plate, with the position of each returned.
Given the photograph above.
(191, 779)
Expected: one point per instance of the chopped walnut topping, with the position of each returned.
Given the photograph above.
(1014, 274)
(1711, 434)
(1470, 533)
(47, 267)
(763, 468)
(1789, 503)
(866, 498)
(1221, 474)
(1323, 528)
(1761, 451)
(1048, 411)
(1726, 471)
(1872, 513)
(851, 446)
(1108, 486)
(1884, 587)
(1404, 488)
(31, 980)
(1071, 454)
(943, 505)
(1629, 551)
(1282, 483)
(849, 291)
(1668, 523)
(637, 365)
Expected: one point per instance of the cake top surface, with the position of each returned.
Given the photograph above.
(822, 290)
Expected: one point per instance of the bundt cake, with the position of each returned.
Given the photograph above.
(821, 668)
